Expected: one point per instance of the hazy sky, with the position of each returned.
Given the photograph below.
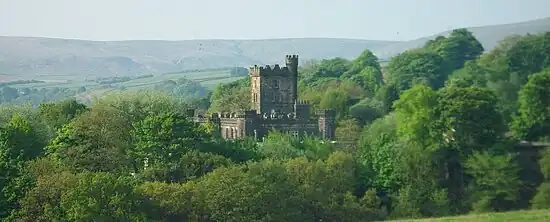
(254, 19)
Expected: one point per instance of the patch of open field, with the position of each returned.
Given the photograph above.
(516, 216)
(208, 78)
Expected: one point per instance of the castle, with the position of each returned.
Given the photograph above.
(274, 106)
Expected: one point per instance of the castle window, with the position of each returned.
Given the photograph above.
(276, 84)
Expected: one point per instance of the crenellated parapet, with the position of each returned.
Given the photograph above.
(302, 102)
(268, 70)
(291, 59)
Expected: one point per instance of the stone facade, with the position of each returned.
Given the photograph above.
(274, 106)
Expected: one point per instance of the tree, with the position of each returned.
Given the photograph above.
(542, 199)
(260, 192)
(379, 151)
(366, 59)
(387, 94)
(495, 183)
(96, 141)
(42, 201)
(332, 67)
(533, 119)
(366, 111)
(281, 146)
(231, 97)
(369, 78)
(58, 114)
(348, 131)
(164, 138)
(103, 197)
(459, 47)
(472, 74)
(191, 165)
(448, 125)
(18, 143)
(470, 118)
(416, 66)
(336, 99)
(169, 201)
(511, 63)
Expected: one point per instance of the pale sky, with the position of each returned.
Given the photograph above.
(256, 19)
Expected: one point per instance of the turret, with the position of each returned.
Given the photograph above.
(292, 65)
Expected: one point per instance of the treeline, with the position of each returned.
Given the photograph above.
(17, 82)
(234, 71)
(437, 133)
(35, 96)
(187, 91)
(118, 79)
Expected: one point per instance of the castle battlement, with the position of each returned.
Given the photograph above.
(302, 102)
(293, 58)
(267, 70)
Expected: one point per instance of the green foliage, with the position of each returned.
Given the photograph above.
(191, 165)
(102, 197)
(533, 119)
(184, 89)
(168, 201)
(459, 47)
(231, 97)
(542, 199)
(379, 150)
(366, 111)
(544, 163)
(18, 143)
(414, 67)
(60, 113)
(35, 96)
(495, 181)
(95, 141)
(162, 138)
(472, 74)
(284, 146)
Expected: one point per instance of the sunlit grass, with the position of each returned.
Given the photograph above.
(531, 216)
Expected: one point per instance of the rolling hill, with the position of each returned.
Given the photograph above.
(489, 36)
(30, 56)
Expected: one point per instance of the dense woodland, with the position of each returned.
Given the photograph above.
(434, 133)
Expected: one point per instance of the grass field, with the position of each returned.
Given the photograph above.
(208, 79)
(516, 216)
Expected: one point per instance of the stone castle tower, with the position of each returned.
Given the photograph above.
(274, 89)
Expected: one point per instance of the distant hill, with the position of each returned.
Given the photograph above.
(489, 36)
(31, 55)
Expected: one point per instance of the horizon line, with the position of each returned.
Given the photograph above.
(274, 38)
